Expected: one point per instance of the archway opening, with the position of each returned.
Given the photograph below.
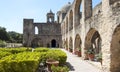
(93, 45)
(36, 42)
(115, 51)
(71, 45)
(78, 12)
(78, 42)
(63, 43)
(53, 43)
(66, 44)
(66, 24)
(71, 20)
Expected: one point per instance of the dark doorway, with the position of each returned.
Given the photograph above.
(53, 43)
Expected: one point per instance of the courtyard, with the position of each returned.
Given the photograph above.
(78, 37)
(77, 64)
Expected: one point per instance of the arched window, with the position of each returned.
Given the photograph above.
(36, 30)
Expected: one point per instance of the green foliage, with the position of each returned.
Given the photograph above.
(90, 51)
(98, 56)
(55, 54)
(41, 49)
(15, 37)
(2, 43)
(59, 69)
(3, 54)
(21, 62)
(15, 50)
(3, 34)
(12, 37)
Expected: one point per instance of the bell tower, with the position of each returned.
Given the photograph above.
(50, 17)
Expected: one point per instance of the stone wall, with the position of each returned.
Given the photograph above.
(46, 33)
(104, 20)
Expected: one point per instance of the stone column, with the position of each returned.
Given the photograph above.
(86, 13)
(68, 36)
(83, 30)
(75, 21)
(106, 35)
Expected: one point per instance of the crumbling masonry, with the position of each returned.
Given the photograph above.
(97, 29)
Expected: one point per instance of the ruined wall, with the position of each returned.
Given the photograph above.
(111, 16)
(105, 18)
(46, 33)
(28, 31)
(49, 32)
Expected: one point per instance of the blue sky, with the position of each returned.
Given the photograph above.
(13, 11)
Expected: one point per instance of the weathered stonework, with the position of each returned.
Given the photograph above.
(98, 29)
(49, 34)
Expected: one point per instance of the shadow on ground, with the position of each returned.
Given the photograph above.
(70, 66)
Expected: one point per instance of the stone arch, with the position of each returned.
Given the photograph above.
(36, 30)
(63, 43)
(115, 50)
(53, 43)
(70, 44)
(37, 42)
(71, 20)
(77, 44)
(77, 11)
(78, 41)
(77, 6)
(93, 42)
(66, 44)
(66, 24)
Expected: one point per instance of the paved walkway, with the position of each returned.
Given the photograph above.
(79, 65)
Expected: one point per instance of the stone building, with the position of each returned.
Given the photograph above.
(96, 29)
(42, 34)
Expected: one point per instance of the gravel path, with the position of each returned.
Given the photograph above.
(78, 65)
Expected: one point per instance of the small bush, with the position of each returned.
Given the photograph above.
(2, 43)
(55, 54)
(59, 69)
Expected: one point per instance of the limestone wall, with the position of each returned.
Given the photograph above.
(105, 18)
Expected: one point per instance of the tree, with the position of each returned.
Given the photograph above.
(15, 37)
(12, 37)
(3, 34)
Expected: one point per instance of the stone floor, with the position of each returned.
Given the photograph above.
(78, 65)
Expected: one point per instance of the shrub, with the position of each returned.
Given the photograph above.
(59, 69)
(41, 49)
(21, 62)
(3, 54)
(15, 50)
(55, 54)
